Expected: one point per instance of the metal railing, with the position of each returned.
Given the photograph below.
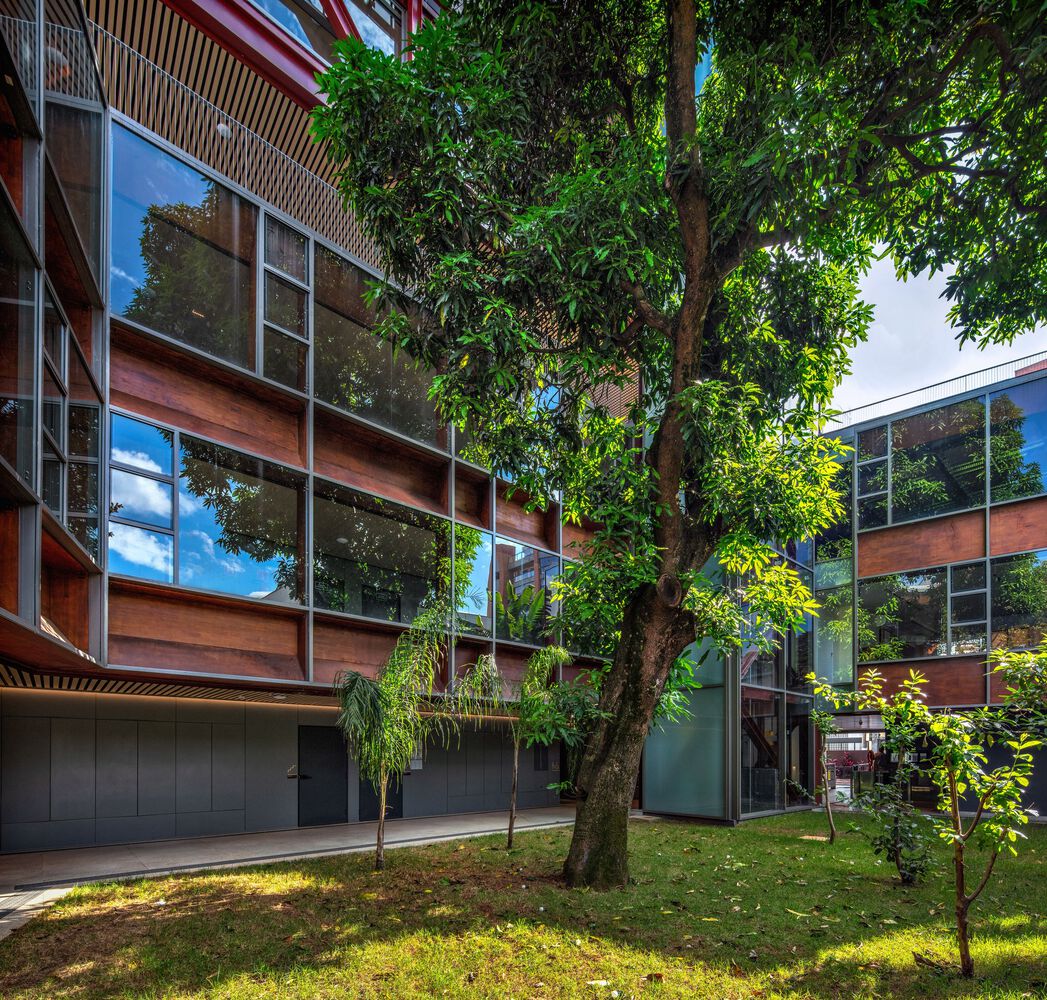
(144, 92)
(939, 390)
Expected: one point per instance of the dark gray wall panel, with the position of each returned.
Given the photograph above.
(271, 737)
(227, 766)
(116, 777)
(156, 768)
(194, 767)
(47, 836)
(425, 791)
(125, 706)
(128, 829)
(60, 704)
(210, 824)
(190, 710)
(72, 769)
(25, 770)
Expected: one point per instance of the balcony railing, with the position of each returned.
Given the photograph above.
(144, 92)
(932, 393)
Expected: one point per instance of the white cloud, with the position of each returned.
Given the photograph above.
(139, 459)
(187, 505)
(911, 344)
(141, 548)
(141, 497)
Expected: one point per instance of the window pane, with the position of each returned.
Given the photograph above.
(1018, 440)
(901, 616)
(872, 512)
(1019, 600)
(761, 752)
(836, 542)
(53, 481)
(138, 552)
(284, 304)
(141, 445)
(938, 461)
(285, 249)
(798, 746)
(356, 371)
(54, 410)
(872, 443)
(473, 563)
(834, 636)
(18, 279)
(872, 478)
(968, 639)
(378, 23)
(85, 409)
(183, 252)
(968, 608)
(522, 598)
(375, 558)
(54, 334)
(285, 360)
(968, 577)
(238, 524)
(139, 498)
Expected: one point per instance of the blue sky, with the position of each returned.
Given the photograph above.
(911, 344)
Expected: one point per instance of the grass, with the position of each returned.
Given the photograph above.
(762, 910)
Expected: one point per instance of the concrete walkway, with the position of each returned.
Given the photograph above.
(31, 882)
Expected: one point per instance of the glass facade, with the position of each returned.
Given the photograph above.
(522, 591)
(1018, 441)
(1019, 600)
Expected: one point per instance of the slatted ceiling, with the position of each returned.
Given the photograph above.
(17, 677)
(162, 72)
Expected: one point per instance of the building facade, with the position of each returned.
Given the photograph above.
(941, 558)
(217, 488)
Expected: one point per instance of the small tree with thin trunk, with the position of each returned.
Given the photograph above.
(825, 725)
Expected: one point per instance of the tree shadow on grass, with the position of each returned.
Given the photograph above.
(750, 912)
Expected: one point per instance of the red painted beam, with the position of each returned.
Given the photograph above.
(259, 43)
(340, 20)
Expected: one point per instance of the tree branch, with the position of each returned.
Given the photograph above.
(985, 878)
(652, 316)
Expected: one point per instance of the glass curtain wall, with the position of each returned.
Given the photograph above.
(522, 591)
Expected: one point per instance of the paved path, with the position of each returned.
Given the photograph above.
(31, 882)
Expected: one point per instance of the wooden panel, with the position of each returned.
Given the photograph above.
(472, 497)
(1018, 527)
(952, 681)
(164, 385)
(64, 593)
(576, 537)
(955, 538)
(163, 628)
(346, 645)
(533, 527)
(359, 456)
(10, 545)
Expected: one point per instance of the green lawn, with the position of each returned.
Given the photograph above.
(757, 911)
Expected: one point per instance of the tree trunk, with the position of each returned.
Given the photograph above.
(825, 793)
(512, 794)
(962, 908)
(379, 847)
(653, 635)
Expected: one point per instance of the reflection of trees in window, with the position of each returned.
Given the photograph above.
(902, 615)
(1019, 600)
(835, 542)
(356, 370)
(183, 255)
(198, 288)
(938, 461)
(522, 579)
(472, 580)
(375, 558)
(256, 516)
(834, 636)
(1018, 441)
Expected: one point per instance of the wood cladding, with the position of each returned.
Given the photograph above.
(165, 385)
(165, 629)
(10, 546)
(532, 527)
(576, 537)
(359, 456)
(953, 681)
(1018, 527)
(64, 593)
(955, 538)
(472, 497)
(346, 645)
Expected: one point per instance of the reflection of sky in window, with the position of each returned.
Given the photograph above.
(141, 498)
(143, 175)
(285, 17)
(204, 563)
(141, 445)
(477, 598)
(371, 33)
(1031, 400)
(148, 555)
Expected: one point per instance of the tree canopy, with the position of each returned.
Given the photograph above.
(569, 208)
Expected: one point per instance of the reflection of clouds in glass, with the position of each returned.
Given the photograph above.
(141, 548)
(141, 499)
(226, 563)
(373, 36)
(137, 458)
(187, 505)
